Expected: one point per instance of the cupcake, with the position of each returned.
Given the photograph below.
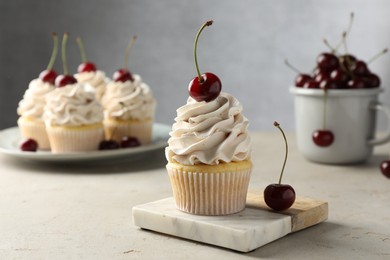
(208, 151)
(88, 73)
(30, 111)
(129, 108)
(30, 108)
(73, 119)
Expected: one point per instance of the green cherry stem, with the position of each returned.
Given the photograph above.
(348, 31)
(377, 56)
(127, 53)
(277, 125)
(54, 51)
(63, 52)
(82, 49)
(208, 23)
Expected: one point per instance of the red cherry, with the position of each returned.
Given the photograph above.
(327, 61)
(63, 80)
(108, 145)
(372, 80)
(360, 68)
(323, 138)
(206, 89)
(122, 75)
(279, 196)
(301, 79)
(347, 60)
(356, 83)
(329, 84)
(86, 67)
(48, 76)
(29, 145)
(385, 168)
(311, 84)
(128, 141)
(321, 75)
(340, 75)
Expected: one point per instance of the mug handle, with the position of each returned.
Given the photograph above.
(380, 107)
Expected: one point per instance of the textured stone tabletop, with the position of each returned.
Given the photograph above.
(51, 211)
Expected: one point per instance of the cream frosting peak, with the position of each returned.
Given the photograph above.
(97, 79)
(209, 132)
(130, 100)
(33, 102)
(72, 105)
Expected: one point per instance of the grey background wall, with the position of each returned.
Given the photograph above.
(246, 46)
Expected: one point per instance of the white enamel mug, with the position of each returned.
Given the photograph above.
(350, 116)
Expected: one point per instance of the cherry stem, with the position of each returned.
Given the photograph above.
(291, 66)
(333, 50)
(127, 53)
(276, 124)
(325, 106)
(82, 49)
(208, 23)
(63, 52)
(377, 56)
(347, 32)
(54, 51)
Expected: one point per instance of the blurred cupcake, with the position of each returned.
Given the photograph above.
(73, 119)
(89, 74)
(129, 108)
(30, 108)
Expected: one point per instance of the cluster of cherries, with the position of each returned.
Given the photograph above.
(51, 76)
(339, 72)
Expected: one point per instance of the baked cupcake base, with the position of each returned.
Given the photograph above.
(210, 189)
(35, 129)
(116, 129)
(68, 139)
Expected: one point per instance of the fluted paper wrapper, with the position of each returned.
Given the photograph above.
(67, 140)
(213, 194)
(142, 130)
(36, 130)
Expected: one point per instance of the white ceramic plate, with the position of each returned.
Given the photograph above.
(10, 139)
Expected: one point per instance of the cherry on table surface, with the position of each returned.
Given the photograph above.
(63, 80)
(385, 168)
(86, 67)
(122, 75)
(29, 145)
(48, 76)
(129, 141)
(108, 145)
(323, 138)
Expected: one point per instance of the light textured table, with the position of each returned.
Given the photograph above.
(84, 211)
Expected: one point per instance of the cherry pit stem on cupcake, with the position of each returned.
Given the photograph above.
(85, 66)
(65, 79)
(280, 196)
(207, 86)
(124, 73)
(49, 75)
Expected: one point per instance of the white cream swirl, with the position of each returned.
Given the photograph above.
(97, 79)
(130, 100)
(209, 133)
(33, 101)
(72, 105)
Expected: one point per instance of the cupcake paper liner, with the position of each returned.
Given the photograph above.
(75, 139)
(36, 130)
(142, 130)
(202, 193)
